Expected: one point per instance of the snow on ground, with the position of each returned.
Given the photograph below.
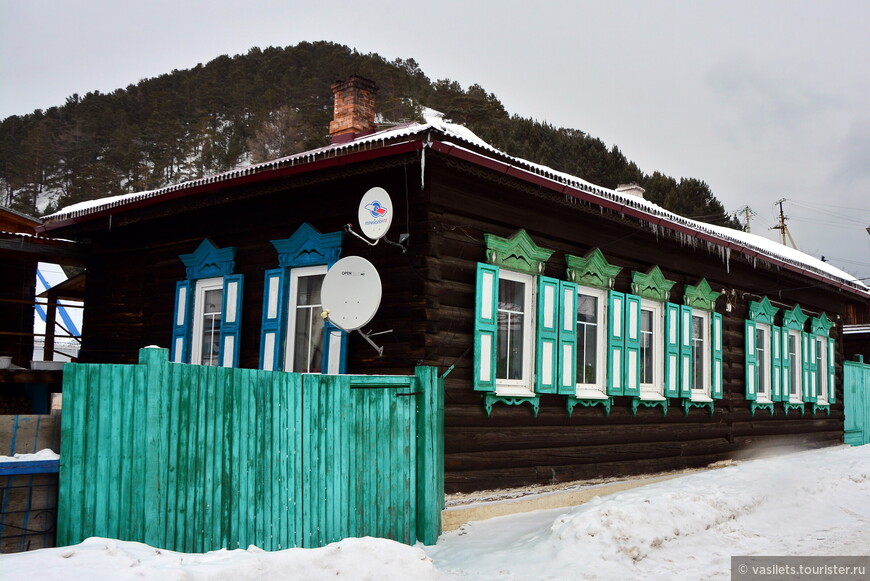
(44, 454)
(806, 503)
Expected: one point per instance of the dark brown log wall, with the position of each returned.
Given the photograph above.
(512, 447)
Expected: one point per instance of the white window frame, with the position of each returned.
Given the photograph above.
(763, 387)
(656, 389)
(703, 393)
(796, 373)
(523, 387)
(292, 311)
(821, 369)
(597, 390)
(202, 286)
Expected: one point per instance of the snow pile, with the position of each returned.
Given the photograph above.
(98, 559)
(45, 454)
(812, 503)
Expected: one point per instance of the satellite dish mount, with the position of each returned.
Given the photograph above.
(375, 216)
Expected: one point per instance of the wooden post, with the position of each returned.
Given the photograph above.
(430, 454)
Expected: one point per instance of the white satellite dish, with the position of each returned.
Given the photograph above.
(351, 293)
(375, 213)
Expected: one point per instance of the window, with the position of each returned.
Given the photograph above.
(651, 357)
(208, 300)
(701, 355)
(591, 342)
(794, 356)
(514, 339)
(294, 337)
(208, 308)
(305, 340)
(762, 358)
(821, 352)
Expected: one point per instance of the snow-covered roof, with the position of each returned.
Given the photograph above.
(463, 138)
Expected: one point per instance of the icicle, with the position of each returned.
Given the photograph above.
(423, 169)
(728, 260)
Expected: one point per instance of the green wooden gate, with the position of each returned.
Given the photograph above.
(856, 402)
(194, 458)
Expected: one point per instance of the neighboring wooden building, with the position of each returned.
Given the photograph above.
(585, 332)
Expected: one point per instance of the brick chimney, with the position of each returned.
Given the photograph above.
(354, 108)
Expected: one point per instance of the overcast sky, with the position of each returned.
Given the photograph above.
(761, 99)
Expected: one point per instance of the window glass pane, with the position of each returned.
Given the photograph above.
(587, 338)
(760, 362)
(821, 369)
(211, 326)
(308, 338)
(511, 326)
(646, 346)
(793, 373)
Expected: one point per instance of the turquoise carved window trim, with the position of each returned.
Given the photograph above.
(209, 269)
(299, 255)
(592, 270)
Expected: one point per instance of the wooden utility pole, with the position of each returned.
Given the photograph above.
(782, 227)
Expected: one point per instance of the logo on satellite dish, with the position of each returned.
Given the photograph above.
(375, 213)
(377, 210)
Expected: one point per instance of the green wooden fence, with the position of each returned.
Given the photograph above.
(193, 458)
(856, 402)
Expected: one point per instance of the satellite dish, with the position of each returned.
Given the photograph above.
(351, 293)
(375, 213)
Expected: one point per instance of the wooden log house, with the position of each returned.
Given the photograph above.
(584, 332)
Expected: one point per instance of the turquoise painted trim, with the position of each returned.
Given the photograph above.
(490, 399)
(794, 406)
(821, 325)
(689, 404)
(567, 348)
(794, 318)
(184, 296)
(701, 296)
(631, 359)
(308, 247)
(686, 378)
(815, 408)
(231, 326)
(208, 261)
(762, 311)
(571, 402)
(430, 454)
(636, 402)
(651, 285)
(751, 360)
(519, 252)
(717, 365)
(547, 335)
(761, 406)
(485, 327)
(273, 325)
(672, 350)
(592, 270)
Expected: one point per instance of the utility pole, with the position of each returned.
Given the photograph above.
(782, 227)
(747, 214)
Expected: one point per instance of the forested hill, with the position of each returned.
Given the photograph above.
(265, 104)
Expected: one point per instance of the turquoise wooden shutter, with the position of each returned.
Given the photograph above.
(181, 326)
(716, 371)
(751, 362)
(776, 385)
(786, 366)
(568, 338)
(672, 350)
(547, 335)
(231, 320)
(814, 371)
(274, 320)
(485, 327)
(631, 363)
(806, 385)
(832, 371)
(685, 351)
(615, 342)
(334, 359)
